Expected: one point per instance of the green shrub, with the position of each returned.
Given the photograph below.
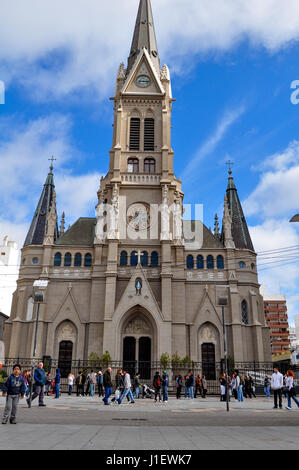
(165, 360)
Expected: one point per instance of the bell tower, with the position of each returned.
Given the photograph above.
(141, 157)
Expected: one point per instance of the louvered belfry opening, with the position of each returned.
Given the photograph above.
(149, 135)
(135, 134)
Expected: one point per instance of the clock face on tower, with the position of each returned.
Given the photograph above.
(138, 217)
(143, 81)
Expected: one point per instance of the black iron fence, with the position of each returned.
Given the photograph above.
(212, 371)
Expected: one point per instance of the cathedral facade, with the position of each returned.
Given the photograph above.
(136, 280)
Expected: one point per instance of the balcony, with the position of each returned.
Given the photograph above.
(140, 178)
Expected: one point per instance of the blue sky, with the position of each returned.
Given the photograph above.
(232, 65)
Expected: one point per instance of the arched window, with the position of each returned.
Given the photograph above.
(242, 265)
(68, 260)
(149, 135)
(154, 259)
(124, 258)
(78, 260)
(200, 262)
(133, 165)
(88, 260)
(190, 262)
(144, 259)
(220, 262)
(244, 312)
(57, 259)
(134, 258)
(210, 262)
(149, 165)
(135, 134)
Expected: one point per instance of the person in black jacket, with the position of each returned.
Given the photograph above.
(107, 381)
(13, 389)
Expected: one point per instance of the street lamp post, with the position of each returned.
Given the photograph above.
(39, 288)
(223, 301)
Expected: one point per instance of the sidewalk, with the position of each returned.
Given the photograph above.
(85, 423)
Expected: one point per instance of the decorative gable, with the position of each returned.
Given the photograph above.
(143, 67)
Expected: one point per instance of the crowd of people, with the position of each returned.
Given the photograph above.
(20, 385)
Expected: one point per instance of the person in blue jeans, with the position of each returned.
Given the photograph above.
(107, 382)
(240, 390)
(267, 387)
(40, 380)
(291, 389)
(57, 383)
(191, 384)
(127, 391)
(165, 382)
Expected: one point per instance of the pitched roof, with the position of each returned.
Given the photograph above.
(208, 239)
(240, 232)
(82, 232)
(37, 228)
(144, 36)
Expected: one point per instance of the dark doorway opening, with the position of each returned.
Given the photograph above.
(145, 354)
(65, 358)
(129, 355)
(208, 361)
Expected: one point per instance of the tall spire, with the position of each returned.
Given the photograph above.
(144, 36)
(240, 232)
(38, 225)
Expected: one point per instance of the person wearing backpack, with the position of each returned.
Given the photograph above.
(165, 382)
(157, 382)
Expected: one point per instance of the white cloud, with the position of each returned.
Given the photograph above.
(55, 48)
(277, 193)
(227, 120)
(278, 272)
(77, 195)
(24, 164)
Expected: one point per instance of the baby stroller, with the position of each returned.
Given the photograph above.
(147, 392)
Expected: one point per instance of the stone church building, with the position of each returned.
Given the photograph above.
(132, 281)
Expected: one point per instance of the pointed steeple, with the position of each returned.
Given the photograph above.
(240, 232)
(144, 36)
(38, 225)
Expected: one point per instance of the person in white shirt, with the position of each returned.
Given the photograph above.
(277, 386)
(70, 381)
(291, 390)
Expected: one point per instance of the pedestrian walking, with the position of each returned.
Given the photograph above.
(119, 386)
(277, 386)
(107, 381)
(165, 383)
(70, 382)
(223, 385)
(291, 390)
(179, 385)
(40, 380)
(57, 383)
(49, 380)
(93, 382)
(191, 384)
(187, 387)
(87, 391)
(204, 386)
(198, 386)
(13, 389)
(127, 391)
(234, 386)
(100, 383)
(267, 387)
(157, 384)
(80, 381)
(136, 386)
(252, 386)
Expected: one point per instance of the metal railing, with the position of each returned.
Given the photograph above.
(212, 371)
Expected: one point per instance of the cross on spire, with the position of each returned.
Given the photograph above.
(52, 159)
(230, 164)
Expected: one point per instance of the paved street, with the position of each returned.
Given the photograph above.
(84, 423)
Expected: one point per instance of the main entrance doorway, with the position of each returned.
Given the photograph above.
(137, 352)
(208, 361)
